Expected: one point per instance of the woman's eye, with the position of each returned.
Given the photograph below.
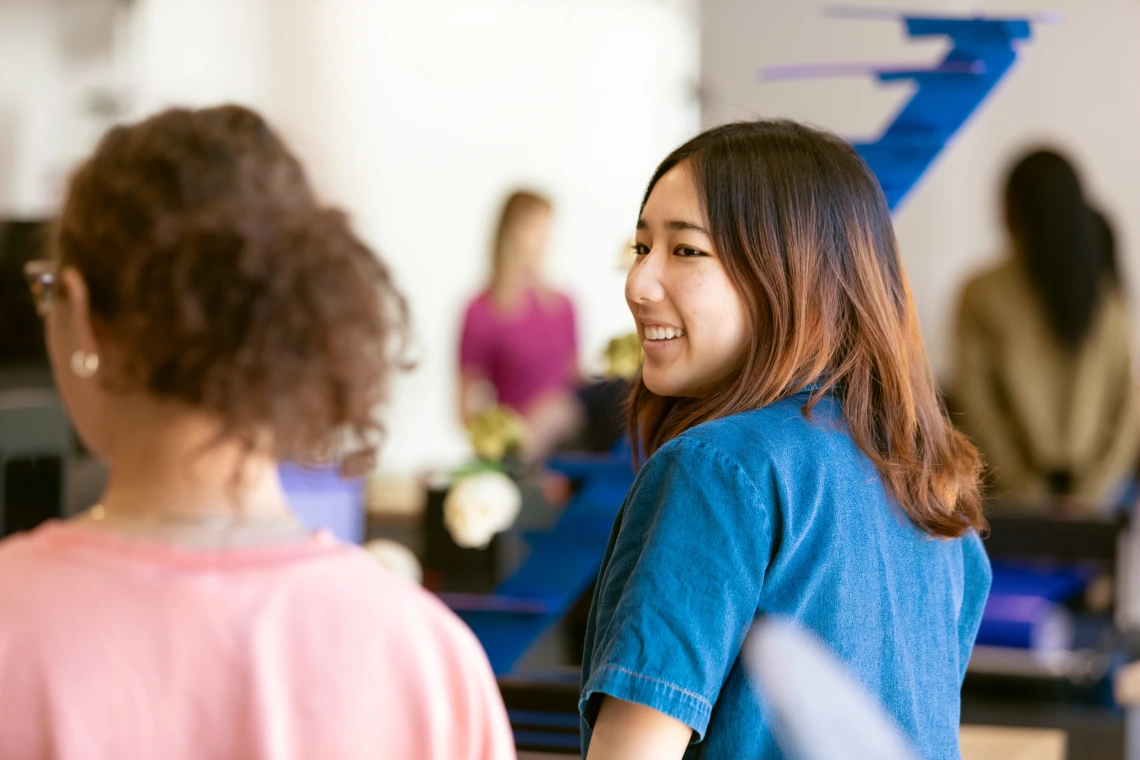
(640, 249)
(687, 252)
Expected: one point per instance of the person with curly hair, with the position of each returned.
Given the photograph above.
(208, 317)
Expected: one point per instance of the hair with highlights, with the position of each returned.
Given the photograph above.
(520, 206)
(803, 231)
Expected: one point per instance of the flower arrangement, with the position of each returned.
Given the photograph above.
(479, 505)
(496, 433)
(483, 499)
(397, 558)
(623, 357)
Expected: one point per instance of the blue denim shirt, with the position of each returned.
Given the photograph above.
(769, 512)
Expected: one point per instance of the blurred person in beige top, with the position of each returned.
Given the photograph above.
(1044, 377)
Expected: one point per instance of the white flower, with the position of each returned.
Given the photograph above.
(479, 506)
(396, 557)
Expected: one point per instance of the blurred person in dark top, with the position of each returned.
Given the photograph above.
(1043, 349)
(206, 318)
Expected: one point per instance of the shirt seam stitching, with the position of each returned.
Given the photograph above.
(735, 465)
(686, 692)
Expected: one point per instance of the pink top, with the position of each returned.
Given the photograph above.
(523, 354)
(117, 648)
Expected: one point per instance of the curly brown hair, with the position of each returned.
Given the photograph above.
(230, 288)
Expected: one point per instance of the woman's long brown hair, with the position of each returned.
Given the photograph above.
(804, 234)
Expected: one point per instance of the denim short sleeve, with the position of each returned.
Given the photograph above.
(976, 579)
(680, 585)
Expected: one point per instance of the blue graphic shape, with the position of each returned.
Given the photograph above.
(982, 51)
(562, 563)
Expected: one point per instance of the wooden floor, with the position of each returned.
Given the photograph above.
(978, 743)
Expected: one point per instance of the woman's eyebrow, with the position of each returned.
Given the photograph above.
(683, 225)
(675, 224)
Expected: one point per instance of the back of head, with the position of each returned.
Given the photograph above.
(222, 284)
(511, 243)
(1060, 242)
(1106, 235)
(804, 234)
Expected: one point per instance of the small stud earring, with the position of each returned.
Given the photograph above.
(83, 364)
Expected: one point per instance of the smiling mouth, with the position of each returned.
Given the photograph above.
(664, 333)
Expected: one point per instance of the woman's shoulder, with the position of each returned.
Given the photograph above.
(995, 280)
(24, 558)
(480, 305)
(744, 453)
(60, 560)
(1116, 313)
(364, 595)
(563, 299)
(782, 426)
(355, 579)
(553, 302)
(38, 577)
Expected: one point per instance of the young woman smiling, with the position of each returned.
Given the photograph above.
(799, 461)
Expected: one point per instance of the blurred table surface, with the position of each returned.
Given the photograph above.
(1002, 743)
(25, 375)
(978, 743)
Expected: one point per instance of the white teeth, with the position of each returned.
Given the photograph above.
(663, 333)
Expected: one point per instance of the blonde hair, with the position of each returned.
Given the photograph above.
(520, 206)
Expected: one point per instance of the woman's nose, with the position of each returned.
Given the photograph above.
(643, 283)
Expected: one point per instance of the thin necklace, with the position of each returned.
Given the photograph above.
(212, 522)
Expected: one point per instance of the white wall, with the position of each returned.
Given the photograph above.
(55, 56)
(419, 117)
(1074, 86)
(197, 53)
(31, 75)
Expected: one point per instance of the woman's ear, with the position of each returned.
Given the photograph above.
(77, 311)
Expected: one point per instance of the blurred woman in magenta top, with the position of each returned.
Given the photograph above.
(519, 346)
